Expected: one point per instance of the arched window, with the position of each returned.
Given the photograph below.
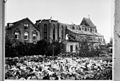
(17, 34)
(79, 28)
(25, 25)
(90, 29)
(53, 31)
(67, 37)
(45, 31)
(57, 32)
(26, 36)
(34, 34)
(73, 27)
(82, 28)
(85, 29)
(71, 48)
(62, 32)
(76, 48)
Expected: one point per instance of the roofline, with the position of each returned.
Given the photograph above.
(86, 34)
(46, 20)
(14, 23)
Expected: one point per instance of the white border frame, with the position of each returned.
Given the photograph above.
(116, 41)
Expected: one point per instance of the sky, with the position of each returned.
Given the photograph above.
(101, 12)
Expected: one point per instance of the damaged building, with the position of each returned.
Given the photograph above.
(70, 35)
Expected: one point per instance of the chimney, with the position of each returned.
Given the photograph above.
(9, 25)
(38, 21)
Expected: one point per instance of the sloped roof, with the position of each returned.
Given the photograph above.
(87, 22)
(79, 32)
(78, 36)
(20, 21)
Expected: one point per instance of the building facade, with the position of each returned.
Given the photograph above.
(23, 30)
(51, 30)
(70, 35)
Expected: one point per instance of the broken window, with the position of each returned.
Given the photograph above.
(34, 34)
(54, 32)
(71, 48)
(17, 35)
(45, 31)
(62, 32)
(76, 48)
(26, 36)
(79, 28)
(85, 29)
(90, 29)
(26, 26)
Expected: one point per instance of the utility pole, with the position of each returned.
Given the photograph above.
(2, 41)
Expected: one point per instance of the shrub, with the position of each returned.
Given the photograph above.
(87, 49)
(42, 47)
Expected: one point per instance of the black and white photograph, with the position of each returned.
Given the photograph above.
(59, 39)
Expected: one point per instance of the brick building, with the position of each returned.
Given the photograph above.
(70, 34)
(52, 30)
(23, 30)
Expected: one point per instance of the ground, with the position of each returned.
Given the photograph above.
(39, 67)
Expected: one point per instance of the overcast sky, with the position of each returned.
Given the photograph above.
(101, 12)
